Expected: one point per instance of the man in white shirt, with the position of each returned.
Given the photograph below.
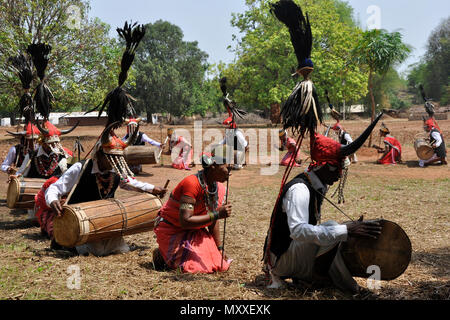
(344, 138)
(96, 179)
(141, 140)
(437, 142)
(234, 139)
(298, 246)
(17, 153)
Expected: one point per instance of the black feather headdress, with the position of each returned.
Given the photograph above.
(231, 106)
(43, 97)
(429, 107)
(301, 111)
(23, 67)
(334, 113)
(118, 101)
(299, 29)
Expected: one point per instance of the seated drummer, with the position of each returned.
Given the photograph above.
(95, 179)
(437, 142)
(298, 246)
(141, 139)
(187, 229)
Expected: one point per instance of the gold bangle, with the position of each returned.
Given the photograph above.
(211, 216)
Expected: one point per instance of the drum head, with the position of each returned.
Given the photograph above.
(391, 252)
(425, 152)
(13, 193)
(66, 229)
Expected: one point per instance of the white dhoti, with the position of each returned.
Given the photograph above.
(298, 262)
(104, 247)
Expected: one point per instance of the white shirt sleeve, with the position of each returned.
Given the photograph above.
(9, 159)
(348, 138)
(64, 184)
(241, 138)
(436, 136)
(296, 206)
(136, 185)
(145, 138)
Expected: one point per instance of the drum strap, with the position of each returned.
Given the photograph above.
(123, 211)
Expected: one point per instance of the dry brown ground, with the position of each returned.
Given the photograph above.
(415, 198)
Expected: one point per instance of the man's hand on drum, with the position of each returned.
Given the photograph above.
(158, 191)
(225, 211)
(12, 177)
(57, 207)
(360, 228)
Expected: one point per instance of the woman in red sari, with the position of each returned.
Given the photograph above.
(291, 146)
(392, 153)
(187, 229)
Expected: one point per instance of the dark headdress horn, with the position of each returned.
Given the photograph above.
(105, 135)
(355, 145)
(133, 137)
(17, 134)
(70, 130)
(42, 130)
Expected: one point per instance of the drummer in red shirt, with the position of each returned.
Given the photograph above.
(392, 153)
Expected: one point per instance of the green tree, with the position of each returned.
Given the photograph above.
(169, 71)
(379, 50)
(261, 75)
(84, 61)
(434, 69)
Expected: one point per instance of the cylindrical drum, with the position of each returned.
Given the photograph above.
(390, 252)
(135, 155)
(105, 219)
(21, 192)
(423, 149)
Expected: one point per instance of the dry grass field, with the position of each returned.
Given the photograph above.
(415, 198)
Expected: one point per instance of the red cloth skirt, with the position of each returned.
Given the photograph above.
(44, 214)
(194, 251)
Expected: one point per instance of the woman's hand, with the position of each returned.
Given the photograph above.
(225, 211)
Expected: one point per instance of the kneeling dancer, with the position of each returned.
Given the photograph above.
(187, 230)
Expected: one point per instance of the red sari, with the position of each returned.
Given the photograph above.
(184, 158)
(395, 152)
(44, 214)
(193, 250)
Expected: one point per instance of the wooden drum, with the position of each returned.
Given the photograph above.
(135, 155)
(21, 192)
(391, 252)
(423, 149)
(105, 219)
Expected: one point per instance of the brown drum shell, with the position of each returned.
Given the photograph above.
(105, 219)
(21, 192)
(391, 252)
(135, 155)
(423, 149)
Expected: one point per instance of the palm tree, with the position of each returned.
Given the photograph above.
(379, 50)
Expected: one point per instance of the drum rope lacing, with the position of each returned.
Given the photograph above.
(123, 212)
(122, 207)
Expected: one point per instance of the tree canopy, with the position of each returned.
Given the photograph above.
(170, 72)
(434, 71)
(265, 58)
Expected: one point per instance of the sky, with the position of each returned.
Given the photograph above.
(209, 21)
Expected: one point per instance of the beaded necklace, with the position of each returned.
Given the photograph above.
(109, 180)
(211, 198)
(51, 163)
